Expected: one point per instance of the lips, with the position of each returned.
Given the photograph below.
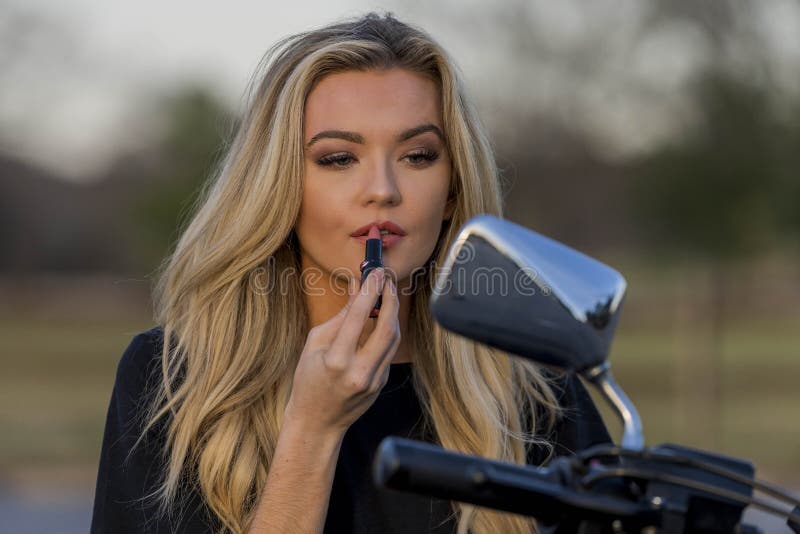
(389, 240)
(392, 227)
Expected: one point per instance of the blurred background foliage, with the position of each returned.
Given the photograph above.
(703, 222)
(728, 188)
(196, 127)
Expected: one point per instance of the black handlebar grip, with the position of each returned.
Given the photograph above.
(420, 467)
(542, 492)
(427, 469)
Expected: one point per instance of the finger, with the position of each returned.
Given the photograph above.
(387, 327)
(352, 292)
(380, 379)
(358, 312)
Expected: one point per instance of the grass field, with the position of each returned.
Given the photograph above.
(55, 388)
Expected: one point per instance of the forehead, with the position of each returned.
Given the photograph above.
(372, 100)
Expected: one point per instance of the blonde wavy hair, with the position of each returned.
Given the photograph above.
(229, 351)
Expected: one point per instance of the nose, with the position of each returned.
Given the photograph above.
(380, 186)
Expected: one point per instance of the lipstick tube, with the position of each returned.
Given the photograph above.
(372, 260)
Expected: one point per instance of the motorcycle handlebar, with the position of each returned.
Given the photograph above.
(680, 488)
(543, 492)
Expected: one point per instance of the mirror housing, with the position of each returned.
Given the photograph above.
(514, 289)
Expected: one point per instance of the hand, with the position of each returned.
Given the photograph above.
(336, 381)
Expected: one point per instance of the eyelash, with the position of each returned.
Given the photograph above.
(334, 160)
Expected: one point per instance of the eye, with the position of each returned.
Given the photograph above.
(340, 160)
(420, 158)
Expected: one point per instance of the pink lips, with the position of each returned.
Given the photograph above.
(391, 226)
(388, 240)
(373, 229)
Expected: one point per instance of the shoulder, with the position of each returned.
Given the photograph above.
(131, 464)
(139, 363)
(581, 424)
(141, 353)
(569, 389)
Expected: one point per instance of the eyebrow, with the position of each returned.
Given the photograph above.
(358, 138)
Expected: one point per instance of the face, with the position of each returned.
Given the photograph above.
(373, 152)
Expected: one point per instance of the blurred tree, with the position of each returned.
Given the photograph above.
(710, 194)
(196, 127)
(726, 189)
(786, 193)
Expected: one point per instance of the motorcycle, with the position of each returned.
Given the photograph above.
(560, 307)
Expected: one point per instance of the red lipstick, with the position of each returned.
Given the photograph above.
(372, 260)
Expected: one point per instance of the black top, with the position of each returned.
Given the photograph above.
(356, 505)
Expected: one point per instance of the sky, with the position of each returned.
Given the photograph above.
(93, 61)
(74, 74)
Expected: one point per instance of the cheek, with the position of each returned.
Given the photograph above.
(318, 205)
(429, 203)
(312, 219)
(430, 196)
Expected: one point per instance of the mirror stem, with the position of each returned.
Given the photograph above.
(601, 378)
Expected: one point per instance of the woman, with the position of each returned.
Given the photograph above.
(257, 403)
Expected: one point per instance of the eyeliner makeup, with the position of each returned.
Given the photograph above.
(372, 260)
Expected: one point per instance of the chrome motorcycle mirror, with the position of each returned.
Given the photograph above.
(511, 288)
